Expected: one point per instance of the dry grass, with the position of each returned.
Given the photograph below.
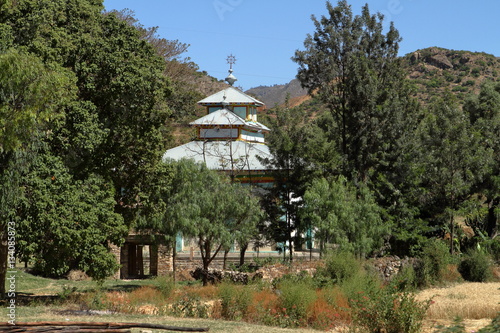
(466, 300)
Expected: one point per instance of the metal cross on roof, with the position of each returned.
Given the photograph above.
(231, 59)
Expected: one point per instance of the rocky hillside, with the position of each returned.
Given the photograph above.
(278, 93)
(432, 70)
(435, 70)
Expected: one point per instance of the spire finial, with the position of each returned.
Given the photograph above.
(231, 79)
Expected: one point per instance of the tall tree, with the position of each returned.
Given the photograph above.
(287, 144)
(108, 137)
(121, 88)
(484, 113)
(31, 93)
(352, 66)
(451, 162)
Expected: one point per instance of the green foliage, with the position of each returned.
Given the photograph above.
(234, 301)
(295, 300)
(189, 307)
(74, 218)
(475, 266)
(484, 113)
(434, 259)
(388, 310)
(340, 266)
(344, 215)
(30, 93)
(352, 66)
(452, 161)
(165, 284)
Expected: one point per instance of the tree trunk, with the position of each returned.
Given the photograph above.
(174, 260)
(224, 263)
(452, 233)
(243, 250)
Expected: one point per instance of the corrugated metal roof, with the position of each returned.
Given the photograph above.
(217, 154)
(220, 117)
(225, 117)
(233, 96)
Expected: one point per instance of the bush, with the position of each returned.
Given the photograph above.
(433, 263)
(339, 267)
(388, 310)
(492, 246)
(189, 306)
(165, 284)
(235, 301)
(475, 266)
(406, 279)
(294, 301)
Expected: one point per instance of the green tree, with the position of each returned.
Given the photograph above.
(204, 205)
(109, 133)
(353, 67)
(31, 93)
(452, 160)
(291, 170)
(343, 215)
(351, 64)
(74, 218)
(484, 113)
(122, 90)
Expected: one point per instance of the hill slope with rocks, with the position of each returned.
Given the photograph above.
(432, 71)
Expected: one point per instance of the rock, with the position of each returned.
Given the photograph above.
(440, 61)
(214, 276)
(77, 275)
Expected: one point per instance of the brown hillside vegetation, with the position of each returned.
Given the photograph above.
(432, 71)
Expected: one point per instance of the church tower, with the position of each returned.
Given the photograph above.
(229, 137)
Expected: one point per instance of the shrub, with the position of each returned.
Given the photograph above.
(387, 310)
(263, 303)
(339, 266)
(294, 301)
(475, 266)
(165, 284)
(235, 301)
(492, 246)
(330, 309)
(406, 279)
(189, 306)
(433, 263)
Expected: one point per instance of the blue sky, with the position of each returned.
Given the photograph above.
(264, 34)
